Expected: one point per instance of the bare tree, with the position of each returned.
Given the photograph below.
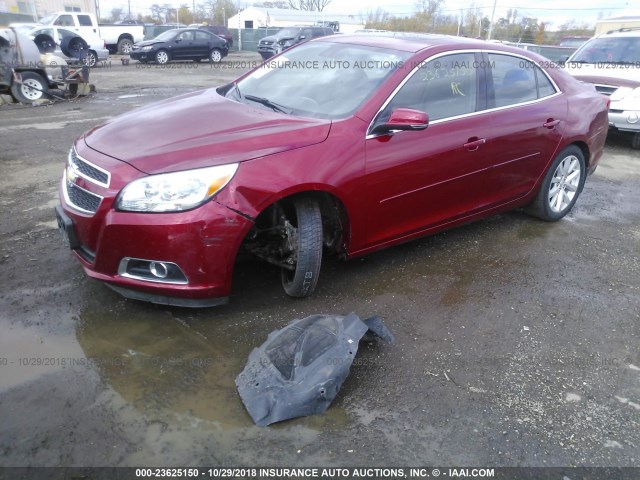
(276, 4)
(116, 13)
(310, 5)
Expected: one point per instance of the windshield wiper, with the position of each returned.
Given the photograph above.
(267, 103)
(236, 89)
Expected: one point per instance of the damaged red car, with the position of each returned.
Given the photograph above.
(343, 145)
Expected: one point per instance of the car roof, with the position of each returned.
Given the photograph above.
(410, 42)
(624, 32)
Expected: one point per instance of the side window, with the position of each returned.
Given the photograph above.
(306, 33)
(84, 20)
(443, 88)
(203, 37)
(64, 21)
(545, 87)
(318, 32)
(514, 80)
(186, 36)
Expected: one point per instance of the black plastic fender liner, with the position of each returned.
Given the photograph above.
(45, 43)
(74, 47)
(299, 370)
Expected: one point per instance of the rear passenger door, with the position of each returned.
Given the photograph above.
(528, 114)
(203, 43)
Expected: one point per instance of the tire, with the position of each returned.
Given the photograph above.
(561, 186)
(215, 56)
(302, 281)
(90, 59)
(125, 46)
(635, 140)
(162, 57)
(32, 88)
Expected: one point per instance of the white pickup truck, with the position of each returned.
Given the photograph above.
(117, 38)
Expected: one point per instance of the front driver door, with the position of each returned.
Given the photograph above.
(421, 179)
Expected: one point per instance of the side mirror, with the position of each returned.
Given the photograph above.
(302, 37)
(178, 40)
(403, 119)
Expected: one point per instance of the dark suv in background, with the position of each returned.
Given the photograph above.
(219, 30)
(285, 38)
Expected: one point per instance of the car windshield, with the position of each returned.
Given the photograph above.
(319, 79)
(609, 50)
(168, 35)
(49, 19)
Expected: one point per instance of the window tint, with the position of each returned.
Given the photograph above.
(84, 20)
(514, 80)
(203, 36)
(306, 33)
(444, 87)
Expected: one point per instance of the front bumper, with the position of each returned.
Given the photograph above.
(142, 55)
(202, 243)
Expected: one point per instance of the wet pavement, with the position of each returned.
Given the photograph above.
(517, 340)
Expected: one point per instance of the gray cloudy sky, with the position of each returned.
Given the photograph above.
(556, 12)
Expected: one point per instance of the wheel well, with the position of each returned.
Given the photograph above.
(585, 151)
(125, 36)
(335, 221)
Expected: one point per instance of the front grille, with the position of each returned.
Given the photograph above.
(88, 170)
(605, 89)
(81, 199)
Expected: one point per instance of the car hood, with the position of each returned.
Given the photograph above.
(617, 75)
(201, 129)
(145, 43)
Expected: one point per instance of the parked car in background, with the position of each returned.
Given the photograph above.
(181, 44)
(56, 40)
(342, 145)
(574, 42)
(219, 30)
(117, 38)
(289, 36)
(611, 62)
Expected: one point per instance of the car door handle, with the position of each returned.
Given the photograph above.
(550, 123)
(474, 143)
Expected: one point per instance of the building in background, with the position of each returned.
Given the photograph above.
(604, 26)
(32, 10)
(254, 17)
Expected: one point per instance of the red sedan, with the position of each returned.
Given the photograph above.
(342, 145)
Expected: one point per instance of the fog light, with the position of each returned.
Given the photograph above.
(632, 117)
(151, 271)
(159, 269)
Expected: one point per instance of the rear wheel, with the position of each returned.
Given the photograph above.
(90, 59)
(303, 247)
(32, 88)
(561, 185)
(125, 46)
(215, 56)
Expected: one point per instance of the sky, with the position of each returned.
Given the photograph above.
(554, 12)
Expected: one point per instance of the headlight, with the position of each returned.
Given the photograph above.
(146, 48)
(172, 192)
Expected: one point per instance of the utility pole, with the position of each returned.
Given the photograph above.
(493, 13)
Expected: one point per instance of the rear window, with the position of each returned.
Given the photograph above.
(85, 20)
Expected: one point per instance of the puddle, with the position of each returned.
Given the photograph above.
(29, 352)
